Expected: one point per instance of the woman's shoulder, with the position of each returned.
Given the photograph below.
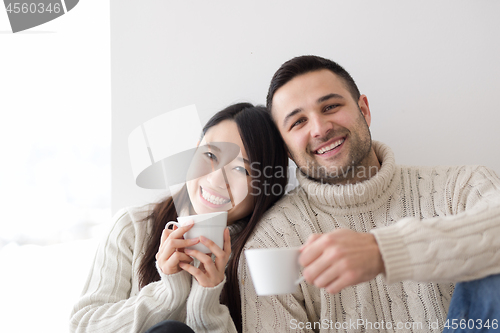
(130, 221)
(135, 213)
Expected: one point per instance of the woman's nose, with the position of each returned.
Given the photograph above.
(216, 178)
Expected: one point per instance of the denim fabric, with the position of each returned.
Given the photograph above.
(170, 326)
(474, 305)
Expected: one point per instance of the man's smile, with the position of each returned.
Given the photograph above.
(332, 146)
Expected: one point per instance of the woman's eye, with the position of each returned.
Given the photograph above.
(242, 170)
(211, 156)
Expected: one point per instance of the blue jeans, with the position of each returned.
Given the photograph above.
(170, 326)
(475, 305)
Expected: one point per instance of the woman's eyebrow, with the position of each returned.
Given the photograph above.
(244, 160)
(214, 147)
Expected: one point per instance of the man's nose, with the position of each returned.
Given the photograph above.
(320, 126)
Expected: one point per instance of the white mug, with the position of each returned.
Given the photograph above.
(209, 225)
(274, 271)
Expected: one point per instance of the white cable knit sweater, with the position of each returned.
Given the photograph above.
(434, 226)
(111, 301)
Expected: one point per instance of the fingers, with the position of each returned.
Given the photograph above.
(165, 234)
(310, 239)
(222, 259)
(178, 233)
(340, 259)
(171, 245)
(170, 266)
(170, 251)
(313, 248)
(337, 285)
(214, 248)
(323, 264)
(205, 260)
(325, 275)
(196, 272)
(221, 256)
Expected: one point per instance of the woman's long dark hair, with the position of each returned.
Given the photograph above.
(269, 166)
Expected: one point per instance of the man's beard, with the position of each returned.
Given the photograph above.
(359, 148)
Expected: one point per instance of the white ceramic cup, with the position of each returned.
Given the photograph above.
(209, 225)
(274, 271)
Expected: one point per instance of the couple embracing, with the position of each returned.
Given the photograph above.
(383, 247)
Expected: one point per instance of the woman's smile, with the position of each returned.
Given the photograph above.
(212, 198)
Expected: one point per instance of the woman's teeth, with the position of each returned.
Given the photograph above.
(213, 199)
(330, 147)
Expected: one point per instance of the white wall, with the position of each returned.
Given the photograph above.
(429, 68)
(55, 139)
(55, 107)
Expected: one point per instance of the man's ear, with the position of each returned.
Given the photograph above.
(365, 109)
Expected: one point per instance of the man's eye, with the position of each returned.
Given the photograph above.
(331, 107)
(298, 122)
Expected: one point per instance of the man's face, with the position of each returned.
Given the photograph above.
(324, 128)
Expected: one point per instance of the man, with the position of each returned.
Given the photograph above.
(381, 244)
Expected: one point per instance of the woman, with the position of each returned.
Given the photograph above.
(141, 276)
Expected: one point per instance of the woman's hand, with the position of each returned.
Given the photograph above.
(170, 254)
(210, 273)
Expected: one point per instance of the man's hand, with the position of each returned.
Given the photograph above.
(340, 259)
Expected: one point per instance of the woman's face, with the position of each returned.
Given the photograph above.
(209, 193)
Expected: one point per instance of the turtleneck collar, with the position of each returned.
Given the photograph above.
(361, 194)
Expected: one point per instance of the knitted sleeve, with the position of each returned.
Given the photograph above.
(204, 311)
(106, 304)
(459, 245)
(270, 314)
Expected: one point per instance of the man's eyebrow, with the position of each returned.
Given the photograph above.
(290, 115)
(318, 101)
(327, 97)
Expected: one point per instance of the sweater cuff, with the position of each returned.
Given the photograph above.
(394, 253)
(177, 283)
(203, 297)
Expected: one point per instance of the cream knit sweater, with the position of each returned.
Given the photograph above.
(434, 226)
(111, 301)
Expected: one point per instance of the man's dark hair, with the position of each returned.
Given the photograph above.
(305, 64)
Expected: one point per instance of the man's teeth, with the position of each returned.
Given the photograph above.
(330, 147)
(213, 199)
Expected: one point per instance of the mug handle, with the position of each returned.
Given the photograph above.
(172, 223)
